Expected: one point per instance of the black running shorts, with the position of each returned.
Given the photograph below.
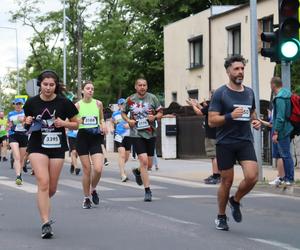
(88, 143)
(22, 139)
(72, 143)
(126, 143)
(142, 145)
(228, 154)
(52, 153)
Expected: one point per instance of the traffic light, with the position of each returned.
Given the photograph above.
(272, 50)
(288, 31)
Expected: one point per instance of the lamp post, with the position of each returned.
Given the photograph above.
(65, 54)
(17, 55)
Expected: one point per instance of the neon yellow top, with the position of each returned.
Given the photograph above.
(89, 113)
(3, 126)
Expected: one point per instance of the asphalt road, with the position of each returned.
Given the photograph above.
(181, 217)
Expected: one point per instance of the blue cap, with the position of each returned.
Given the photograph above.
(121, 101)
(18, 100)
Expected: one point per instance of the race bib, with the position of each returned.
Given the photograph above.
(118, 138)
(19, 128)
(142, 124)
(51, 139)
(246, 112)
(89, 120)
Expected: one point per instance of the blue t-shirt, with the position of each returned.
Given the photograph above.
(225, 101)
(16, 118)
(72, 133)
(120, 124)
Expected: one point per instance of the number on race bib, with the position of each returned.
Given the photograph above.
(89, 120)
(51, 139)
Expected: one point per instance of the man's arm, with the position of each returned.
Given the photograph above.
(215, 119)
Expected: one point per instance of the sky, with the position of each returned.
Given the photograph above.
(8, 46)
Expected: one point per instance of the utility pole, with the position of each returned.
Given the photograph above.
(64, 40)
(79, 48)
(255, 83)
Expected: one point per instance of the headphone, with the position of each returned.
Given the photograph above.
(41, 77)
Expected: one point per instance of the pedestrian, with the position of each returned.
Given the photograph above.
(89, 139)
(143, 108)
(279, 162)
(232, 111)
(3, 137)
(47, 116)
(282, 128)
(121, 138)
(210, 138)
(18, 138)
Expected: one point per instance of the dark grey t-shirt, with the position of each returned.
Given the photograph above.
(225, 101)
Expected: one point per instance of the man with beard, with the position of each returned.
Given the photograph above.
(232, 111)
(143, 108)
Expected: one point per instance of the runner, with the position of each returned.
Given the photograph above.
(48, 113)
(232, 111)
(89, 140)
(17, 137)
(122, 138)
(72, 139)
(3, 137)
(144, 108)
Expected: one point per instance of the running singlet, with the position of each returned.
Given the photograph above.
(89, 113)
(3, 125)
(120, 131)
(139, 110)
(46, 112)
(16, 119)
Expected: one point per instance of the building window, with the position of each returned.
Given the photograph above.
(174, 96)
(196, 52)
(193, 93)
(234, 40)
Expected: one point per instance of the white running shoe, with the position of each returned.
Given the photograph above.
(276, 181)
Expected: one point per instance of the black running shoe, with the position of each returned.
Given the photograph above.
(77, 171)
(72, 168)
(137, 175)
(47, 232)
(87, 204)
(4, 159)
(95, 197)
(235, 209)
(221, 223)
(19, 180)
(25, 168)
(148, 196)
(106, 162)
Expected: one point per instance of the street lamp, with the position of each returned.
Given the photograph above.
(17, 55)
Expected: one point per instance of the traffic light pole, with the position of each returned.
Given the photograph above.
(286, 74)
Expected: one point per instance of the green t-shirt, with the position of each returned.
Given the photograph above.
(3, 127)
(139, 109)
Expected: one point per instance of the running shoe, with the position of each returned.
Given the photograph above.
(72, 168)
(1, 158)
(32, 172)
(148, 196)
(47, 232)
(95, 197)
(277, 181)
(156, 167)
(87, 204)
(77, 171)
(213, 181)
(235, 209)
(208, 178)
(19, 180)
(137, 174)
(106, 162)
(124, 178)
(221, 223)
(4, 159)
(25, 168)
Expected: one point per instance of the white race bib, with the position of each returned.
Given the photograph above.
(246, 112)
(19, 128)
(142, 124)
(89, 120)
(118, 138)
(51, 139)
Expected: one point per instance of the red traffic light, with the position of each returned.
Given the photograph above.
(289, 8)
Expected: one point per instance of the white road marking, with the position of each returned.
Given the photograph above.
(181, 182)
(192, 196)
(78, 185)
(169, 218)
(26, 187)
(3, 178)
(128, 184)
(130, 199)
(275, 244)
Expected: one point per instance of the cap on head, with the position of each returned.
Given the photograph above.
(121, 101)
(18, 100)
